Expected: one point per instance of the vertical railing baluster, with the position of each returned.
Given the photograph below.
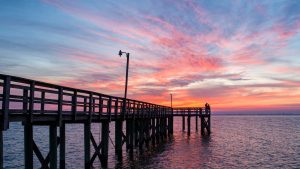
(84, 104)
(100, 107)
(90, 105)
(25, 101)
(5, 103)
(94, 105)
(42, 102)
(116, 108)
(74, 104)
(109, 108)
(60, 105)
(31, 101)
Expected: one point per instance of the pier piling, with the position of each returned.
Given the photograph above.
(1, 149)
(53, 146)
(183, 121)
(189, 122)
(62, 152)
(104, 141)
(118, 137)
(87, 148)
(28, 145)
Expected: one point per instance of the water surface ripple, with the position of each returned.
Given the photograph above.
(235, 142)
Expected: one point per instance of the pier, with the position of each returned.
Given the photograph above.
(36, 103)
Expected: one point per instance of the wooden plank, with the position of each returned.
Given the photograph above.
(39, 155)
(97, 149)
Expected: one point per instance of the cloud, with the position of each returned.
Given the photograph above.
(227, 53)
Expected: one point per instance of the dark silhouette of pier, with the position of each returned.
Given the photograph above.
(36, 103)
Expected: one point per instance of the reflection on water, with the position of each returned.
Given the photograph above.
(235, 142)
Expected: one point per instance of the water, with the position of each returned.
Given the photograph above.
(235, 142)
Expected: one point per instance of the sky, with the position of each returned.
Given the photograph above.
(235, 55)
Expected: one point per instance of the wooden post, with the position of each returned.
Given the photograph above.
(43, 102)
(84, 104)
(183, 122)
(5, 104)
(127, 134)
(53, 146)
(171, 121)
(31, 102)
(118, 137)
(105, 137)
(165, 126)
(137, 132)
(87, 148)
(74, 105)
(157, 132)
(153, 127)
(202, 125)
(28, 145)
(1, 150)
(189, 122)
(208, 123)
(196, 118)
(141, 133)
(62, 153)
(147, 132)
(59, 106)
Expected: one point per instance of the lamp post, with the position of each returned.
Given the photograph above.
(119, 122)
(126, 81)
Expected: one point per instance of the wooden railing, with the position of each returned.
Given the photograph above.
(21, 96)
(29, 97)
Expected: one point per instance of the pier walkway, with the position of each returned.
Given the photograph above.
(36, 103)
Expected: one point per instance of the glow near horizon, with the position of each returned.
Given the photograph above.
(240, 55)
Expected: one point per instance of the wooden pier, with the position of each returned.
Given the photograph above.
(36, 103)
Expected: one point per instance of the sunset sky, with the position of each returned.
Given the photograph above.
(236, 55)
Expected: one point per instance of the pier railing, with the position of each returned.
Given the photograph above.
(22, 96)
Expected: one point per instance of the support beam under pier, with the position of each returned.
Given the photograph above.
(87, 148)
(53, 146)
(1, 149)
(183, 122)
(189, 123)
(104, 137)
(62, 153)
(28, 145)
(119, 137)
(196, 119)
